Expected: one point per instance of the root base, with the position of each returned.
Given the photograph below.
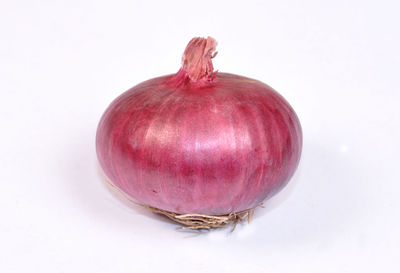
(196, 221)
(203, 221)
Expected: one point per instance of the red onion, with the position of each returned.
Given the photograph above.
(199, 141)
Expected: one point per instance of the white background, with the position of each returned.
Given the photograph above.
(63, 62)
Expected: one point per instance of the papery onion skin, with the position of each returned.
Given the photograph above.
(213, 147)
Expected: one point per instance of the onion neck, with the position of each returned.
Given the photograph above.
(197, 68)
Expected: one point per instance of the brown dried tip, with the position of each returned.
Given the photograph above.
(196, 59)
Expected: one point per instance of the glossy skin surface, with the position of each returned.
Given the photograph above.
(212, 150)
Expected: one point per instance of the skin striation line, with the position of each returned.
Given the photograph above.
(262, 145)
(293, 134)
(151, 138)
(237, 192)
(169, 114)
(117, 132)
(191, 165)
(207, 140)
(191, 146)
(240, 123)
(183, 181)
(280, 120)
(136, 116)
(275, 144)
(129, 126)
(172, 114)
(180, 142)
(228, 153)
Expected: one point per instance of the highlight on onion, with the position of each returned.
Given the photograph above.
(202, 147)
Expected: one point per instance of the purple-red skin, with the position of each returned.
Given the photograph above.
(215, 148)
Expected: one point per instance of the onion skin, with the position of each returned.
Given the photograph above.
(218, 145)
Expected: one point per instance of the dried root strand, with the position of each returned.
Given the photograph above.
(203, 221)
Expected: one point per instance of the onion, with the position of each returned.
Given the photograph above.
(199, 142)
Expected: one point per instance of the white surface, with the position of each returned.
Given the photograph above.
(63, 62)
